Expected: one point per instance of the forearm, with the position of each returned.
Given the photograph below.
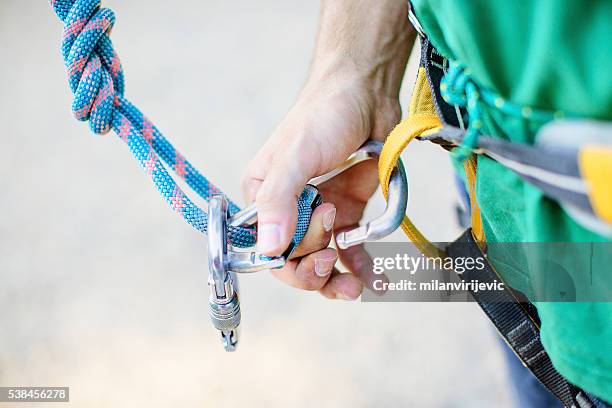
(365, 40)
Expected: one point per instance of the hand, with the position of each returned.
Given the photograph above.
(331, 120)
(351, 96)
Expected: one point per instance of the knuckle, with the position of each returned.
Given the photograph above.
(324, 239)
(313, 244)
(246, 185)
(313, 285)
(310, 286)
(307, 278)
(265, 196)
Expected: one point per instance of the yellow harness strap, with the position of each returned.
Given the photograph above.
(469, 166)
(423, 119)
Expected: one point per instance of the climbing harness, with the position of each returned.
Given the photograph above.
(96, 79)
(446, 109)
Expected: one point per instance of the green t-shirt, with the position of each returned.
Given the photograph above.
(552, 55)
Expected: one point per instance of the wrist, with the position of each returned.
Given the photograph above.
(363, 42)
(346, 71)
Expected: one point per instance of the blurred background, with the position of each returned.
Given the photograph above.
(103, 289)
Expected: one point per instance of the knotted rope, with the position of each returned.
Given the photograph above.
(458, 88)
(96, 79)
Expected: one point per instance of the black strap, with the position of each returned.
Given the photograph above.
(516, 322)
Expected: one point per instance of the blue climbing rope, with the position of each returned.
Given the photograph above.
(96, 79)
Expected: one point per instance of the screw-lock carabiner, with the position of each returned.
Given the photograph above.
(223, 303)
(225, 262)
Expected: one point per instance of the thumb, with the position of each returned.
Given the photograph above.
(276, 202)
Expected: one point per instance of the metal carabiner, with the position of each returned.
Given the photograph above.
(224, 262)
(376, 229)
(223, 302)
(392, 217)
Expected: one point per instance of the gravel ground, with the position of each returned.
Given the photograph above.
(103, 289)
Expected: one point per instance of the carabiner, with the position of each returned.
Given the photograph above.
(376, 229)
(224, 262)
(397, 200)
(223, 302)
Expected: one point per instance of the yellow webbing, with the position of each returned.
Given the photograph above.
(469, 166)
(423, 119)
(596, 168)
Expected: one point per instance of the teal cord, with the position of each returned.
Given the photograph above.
(458, 88)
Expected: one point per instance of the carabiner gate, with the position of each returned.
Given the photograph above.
(392, 217)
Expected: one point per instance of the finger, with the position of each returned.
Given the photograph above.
(319, 231)
(276, 202)
(255, 174)
(310, 272)
(359, 262)
(250, 187)
(345, 286)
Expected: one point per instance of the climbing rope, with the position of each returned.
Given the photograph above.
(96, 79)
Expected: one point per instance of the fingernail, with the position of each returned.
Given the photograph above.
(268, 237)
(324, 266)
(342, 296)
(328, 219)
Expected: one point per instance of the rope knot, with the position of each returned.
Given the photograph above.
(458, 88)
(95, 74)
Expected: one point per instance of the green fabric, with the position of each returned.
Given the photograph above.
(554, 55)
